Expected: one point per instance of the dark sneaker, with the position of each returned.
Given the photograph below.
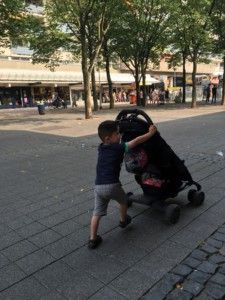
(92, 244)
(126, 222)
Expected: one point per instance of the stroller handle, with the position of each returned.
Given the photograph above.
(136, 112)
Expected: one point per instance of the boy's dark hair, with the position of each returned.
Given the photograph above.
(107, 128)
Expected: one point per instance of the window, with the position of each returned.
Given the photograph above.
(35, 2)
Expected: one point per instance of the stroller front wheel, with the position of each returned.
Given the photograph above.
(196, 198)
(172, 214)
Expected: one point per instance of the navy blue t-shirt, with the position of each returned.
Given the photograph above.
(110, 158)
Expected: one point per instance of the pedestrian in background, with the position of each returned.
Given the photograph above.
(214, 93)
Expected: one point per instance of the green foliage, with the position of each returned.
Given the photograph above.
(139, 35)
(192, 29)
(218, 24)
(11, 20)
(68, 24)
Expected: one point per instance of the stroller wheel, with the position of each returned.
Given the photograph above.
(129, 202)
(172, 214)
(196, 198)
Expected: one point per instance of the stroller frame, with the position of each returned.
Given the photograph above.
(130, 126)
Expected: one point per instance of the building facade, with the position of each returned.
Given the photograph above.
(22, 83)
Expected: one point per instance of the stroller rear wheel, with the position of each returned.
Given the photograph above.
(196, 198)
(172, 213)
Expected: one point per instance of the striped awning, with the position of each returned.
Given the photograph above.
(45, 76)
(67, 77)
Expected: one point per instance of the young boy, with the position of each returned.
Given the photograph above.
(107, 183)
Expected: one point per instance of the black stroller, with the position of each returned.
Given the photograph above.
(164, 175)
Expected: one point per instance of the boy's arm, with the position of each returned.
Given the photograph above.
(142, 138)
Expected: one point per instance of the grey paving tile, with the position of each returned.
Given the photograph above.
(26, 289)
(40, 213)
(19, 250)
(9, 275)
(84, 219)
(4, 229)
(3, 261)
(126, 252)
(81, 234)
(214, 290)
(218, 209)
(188, 238)
(44, 238)
(161, 260)
(82, 286)
(53, 219)
(67, 227)
(53, 295)
(63, 247)
(58, 273)
(132, 284)
(30, 229)
(34, 261)
(9, 239)
(178, 294)
(20, 222)
(193, 287)
(104, 268)
(107, 294)
(204, 225)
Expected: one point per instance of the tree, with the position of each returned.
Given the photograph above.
(69, 27)
(218, 21)
(141, 36)
(13, 21)
(194, 33)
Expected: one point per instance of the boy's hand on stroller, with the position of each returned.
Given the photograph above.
(152, 129)
(142, 138)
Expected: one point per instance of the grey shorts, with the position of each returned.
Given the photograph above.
(104, 193)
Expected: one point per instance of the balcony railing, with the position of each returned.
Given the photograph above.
(20, 50)
(35, 9)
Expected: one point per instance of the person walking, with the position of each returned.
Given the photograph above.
(107, 183)
(214, 94)
(208, 93)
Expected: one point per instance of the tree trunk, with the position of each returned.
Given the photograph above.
(86, 75)
(184, 78)
(193, 103)
(87, 95)
(137, 83)
(144, 89)
(223, 93)
(94, 91)
(107, 68)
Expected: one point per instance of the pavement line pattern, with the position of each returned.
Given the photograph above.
(46, 202)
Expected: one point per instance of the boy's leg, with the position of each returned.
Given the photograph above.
(100, 209)
(95, 239)
(94, 226)
(125, 219)
(123, 212)
(120, 196)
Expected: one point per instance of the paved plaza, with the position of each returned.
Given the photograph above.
(46, 201)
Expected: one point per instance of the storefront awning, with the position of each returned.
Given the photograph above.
(129, 78)
(47, 76)
(31, 76)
